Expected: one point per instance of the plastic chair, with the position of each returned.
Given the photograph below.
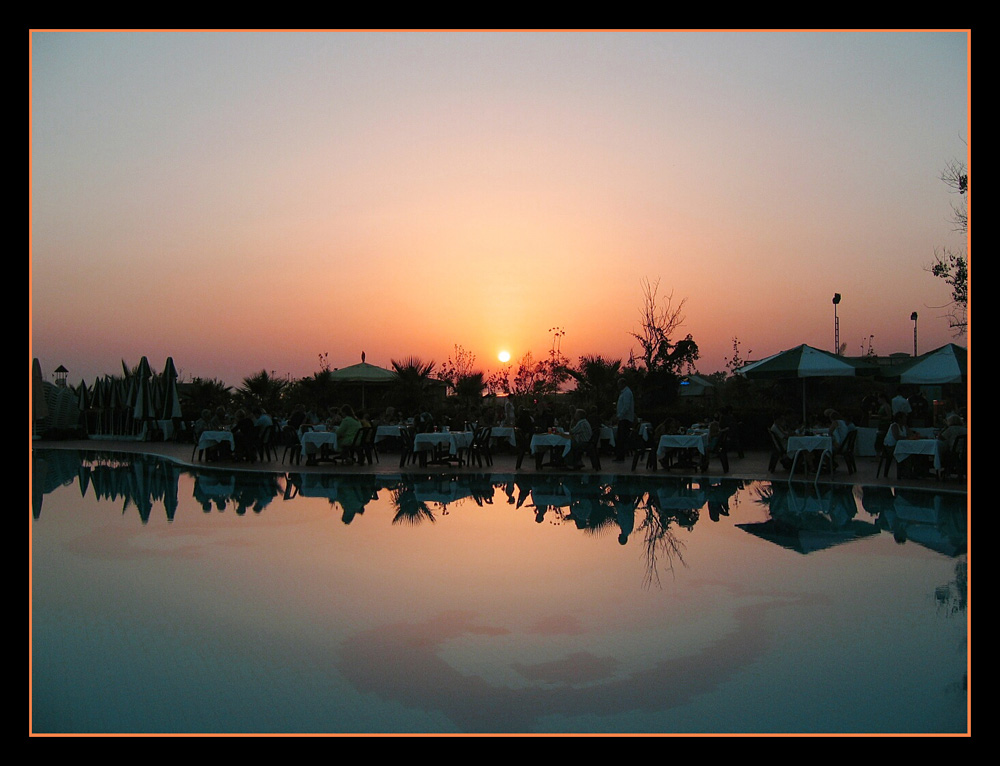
(846, 451)
(292, 444)
(642, 447)
(265, 444)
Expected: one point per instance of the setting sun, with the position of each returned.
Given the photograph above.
(504, 356)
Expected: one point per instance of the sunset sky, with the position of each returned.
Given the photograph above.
(250, 200)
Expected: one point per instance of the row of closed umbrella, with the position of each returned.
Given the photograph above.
(122, 405)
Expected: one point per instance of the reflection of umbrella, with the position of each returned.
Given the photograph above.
(365, 374)
(948, 364)
(804, 362)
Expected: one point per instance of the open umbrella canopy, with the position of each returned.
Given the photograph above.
(363, 373)
(804, 362)
(948, 364)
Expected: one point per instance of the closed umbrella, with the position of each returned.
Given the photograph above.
(171, 397)
(804, 362)
(143, 410)
(39, 407)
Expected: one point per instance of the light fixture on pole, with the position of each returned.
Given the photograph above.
(836, 324)
(913, 318)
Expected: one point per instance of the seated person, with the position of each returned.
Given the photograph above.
(347, 429)
(953, 429)
(202, 424)
(580, 435)
(245, 436)
(838, 428)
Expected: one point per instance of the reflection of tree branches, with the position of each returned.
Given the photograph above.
(408, 509)
(659, 540)
(953, 597)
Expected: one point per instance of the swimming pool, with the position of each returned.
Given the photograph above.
(170, 600)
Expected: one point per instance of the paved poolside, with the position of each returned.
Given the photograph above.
(752, 466)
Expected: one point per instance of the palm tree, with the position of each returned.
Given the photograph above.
(262, 389)
(203, 394)
(412, 378)
(318, 392)
(596, 381)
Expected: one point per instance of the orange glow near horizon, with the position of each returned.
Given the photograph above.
(401, 194)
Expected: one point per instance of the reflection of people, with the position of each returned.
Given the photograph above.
(626, 417)
(626, 520)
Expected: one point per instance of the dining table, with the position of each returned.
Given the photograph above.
(559, 443)
(906, 448)
(696, 440)
(504, 433)
(314, 441)
(387, 432)
(210, 439)
(810, 443)
(445, 445)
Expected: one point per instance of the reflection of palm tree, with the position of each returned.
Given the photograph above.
(409, 510)
(659, 540)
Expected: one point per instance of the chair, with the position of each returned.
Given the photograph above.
(593, 450)
(886, 456)
(293, 445)
(266, 449)
(777, 452)
(406, 453)
(954, 463)
(371, 451)
(523, 441)
(480, 448)
(642, 447)
(846, 451)
(719, 450)
(355, 451)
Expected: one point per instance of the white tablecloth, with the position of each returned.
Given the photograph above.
(809, 444)
(387, 432)
(209, 439)
(313, 441)
(682, 441)
(503, 432)
(454, 440)
(546, 441)
(906, 447)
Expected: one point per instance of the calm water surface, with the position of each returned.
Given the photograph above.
(171, 600)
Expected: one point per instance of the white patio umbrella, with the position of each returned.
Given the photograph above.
(948, 364)
(804, 362)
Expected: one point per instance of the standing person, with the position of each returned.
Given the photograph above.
(626, 417)
(900, 404)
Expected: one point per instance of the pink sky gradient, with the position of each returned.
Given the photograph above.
(245, 201)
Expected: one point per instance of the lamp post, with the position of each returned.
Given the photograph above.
(913, 318)
(836, 325)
